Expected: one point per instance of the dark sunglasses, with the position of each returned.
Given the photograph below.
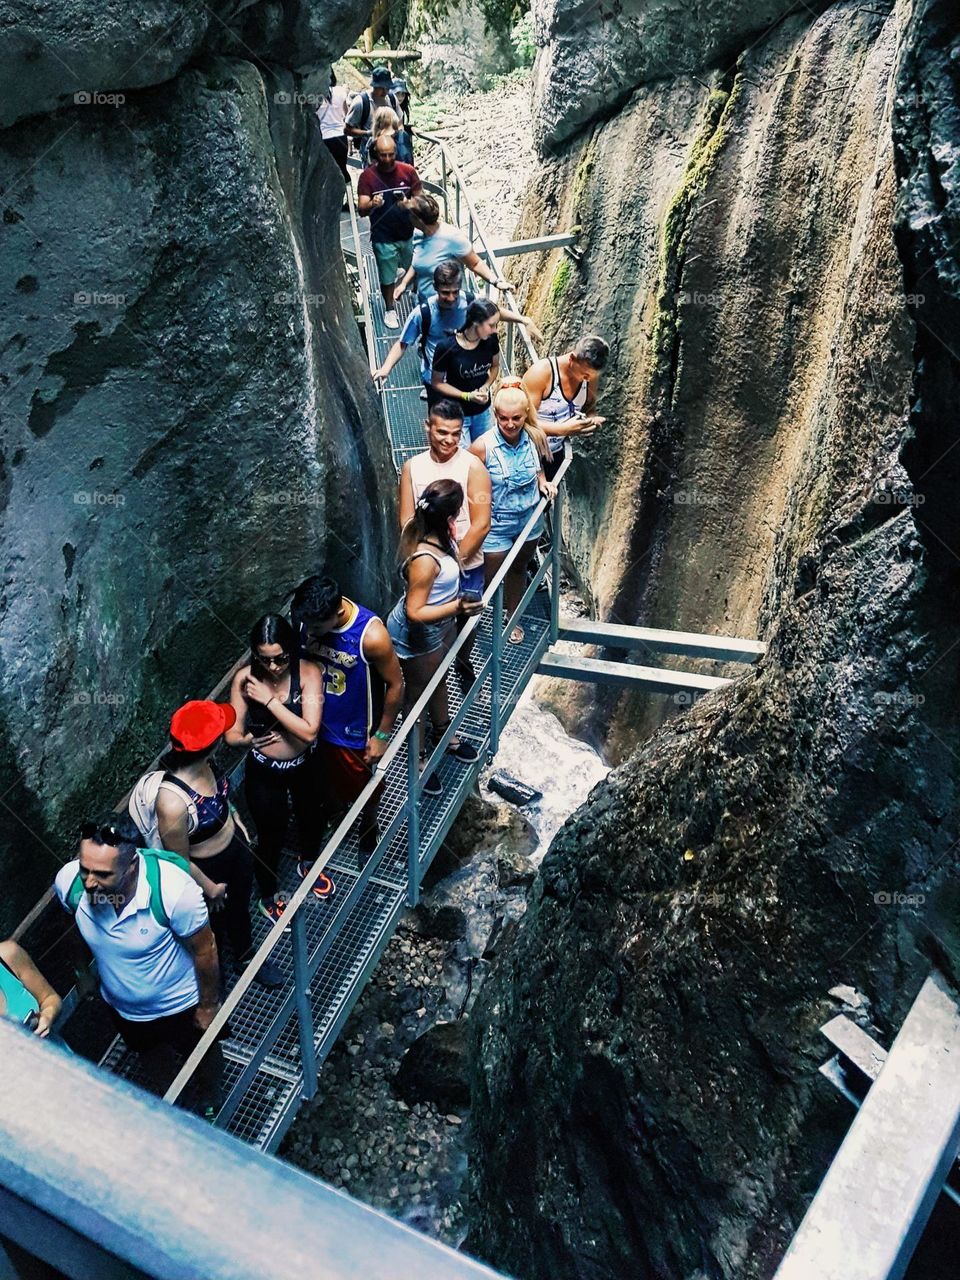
(103, 833)
(281, 660)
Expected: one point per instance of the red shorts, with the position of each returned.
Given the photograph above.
(341, 774)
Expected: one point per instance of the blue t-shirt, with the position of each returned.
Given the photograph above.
(444, 322)
(447, 244)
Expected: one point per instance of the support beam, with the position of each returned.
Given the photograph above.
(540, 245)
(101, 1180)
(376, 56)
(689, 643)
(876, 1197)
(626, 674)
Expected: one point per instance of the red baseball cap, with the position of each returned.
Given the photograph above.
(197, 725)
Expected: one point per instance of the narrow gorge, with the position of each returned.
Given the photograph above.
(766, 201)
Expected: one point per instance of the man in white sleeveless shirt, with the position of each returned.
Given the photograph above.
(445, 459)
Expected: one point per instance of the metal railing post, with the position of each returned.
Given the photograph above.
(510, 348)
(308, 1056)
(443, 183)
(413, 818)
(496, 655)
(456, 191)
(555, 567)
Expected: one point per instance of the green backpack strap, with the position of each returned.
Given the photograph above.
(151, 861)
(74, 894)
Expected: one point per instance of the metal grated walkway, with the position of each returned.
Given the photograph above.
(276, 1044)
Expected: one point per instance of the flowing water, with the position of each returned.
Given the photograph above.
(536, 749)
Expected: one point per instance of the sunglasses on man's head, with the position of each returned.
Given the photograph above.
(103, 833)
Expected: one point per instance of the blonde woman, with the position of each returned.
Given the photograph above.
(385, 120)
(514, 452)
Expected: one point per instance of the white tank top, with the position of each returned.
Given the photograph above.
(555, 407)
(446, 585)
(423, 471)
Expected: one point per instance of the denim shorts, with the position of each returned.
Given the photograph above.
(505, 531)
(415, 639)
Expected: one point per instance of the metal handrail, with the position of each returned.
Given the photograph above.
(402, 738)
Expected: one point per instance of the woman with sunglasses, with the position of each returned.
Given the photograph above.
(278, 700)
(26, 996)
(196, 819)
(514, 453)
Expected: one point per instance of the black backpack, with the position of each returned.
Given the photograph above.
(425, 321)
(365, 111)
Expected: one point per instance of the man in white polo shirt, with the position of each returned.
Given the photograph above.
(155, 951)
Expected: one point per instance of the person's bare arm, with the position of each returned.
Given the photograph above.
(478, 504)
(203, 951)
(473, 262)
(17, 959)
(406, 495)
(404, 284)
(393, 358)
(494, 373)
(174, 836)
(237, 735)
(379, 652)
(366, 204)
(479, 450)
(302, 727)
(514, 317)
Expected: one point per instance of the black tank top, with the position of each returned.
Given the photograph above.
(260, 719)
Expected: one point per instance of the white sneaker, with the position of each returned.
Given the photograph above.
(390, 319)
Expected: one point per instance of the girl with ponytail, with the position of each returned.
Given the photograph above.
(422, 622)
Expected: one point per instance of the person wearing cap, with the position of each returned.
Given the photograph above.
(405, 136)
(360, 116)
(156, 960)
(196, 819)
(382, 190)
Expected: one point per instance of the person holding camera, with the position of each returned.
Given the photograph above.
(382, 190)
(422, 622)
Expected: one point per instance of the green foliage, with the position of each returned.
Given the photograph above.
(521, 37)
(499, 15)
(560, 281)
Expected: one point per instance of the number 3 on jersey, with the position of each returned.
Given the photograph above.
(336, 682)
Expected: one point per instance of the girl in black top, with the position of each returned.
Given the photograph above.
(278, 700)
(467, 365)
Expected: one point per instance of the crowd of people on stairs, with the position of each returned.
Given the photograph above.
(162, 892)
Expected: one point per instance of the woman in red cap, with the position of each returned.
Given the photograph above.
(278, 699)
(195, 819)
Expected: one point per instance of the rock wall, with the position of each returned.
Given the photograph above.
(459, 51)
(737, 251)
(186, 428)
(782, 248)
